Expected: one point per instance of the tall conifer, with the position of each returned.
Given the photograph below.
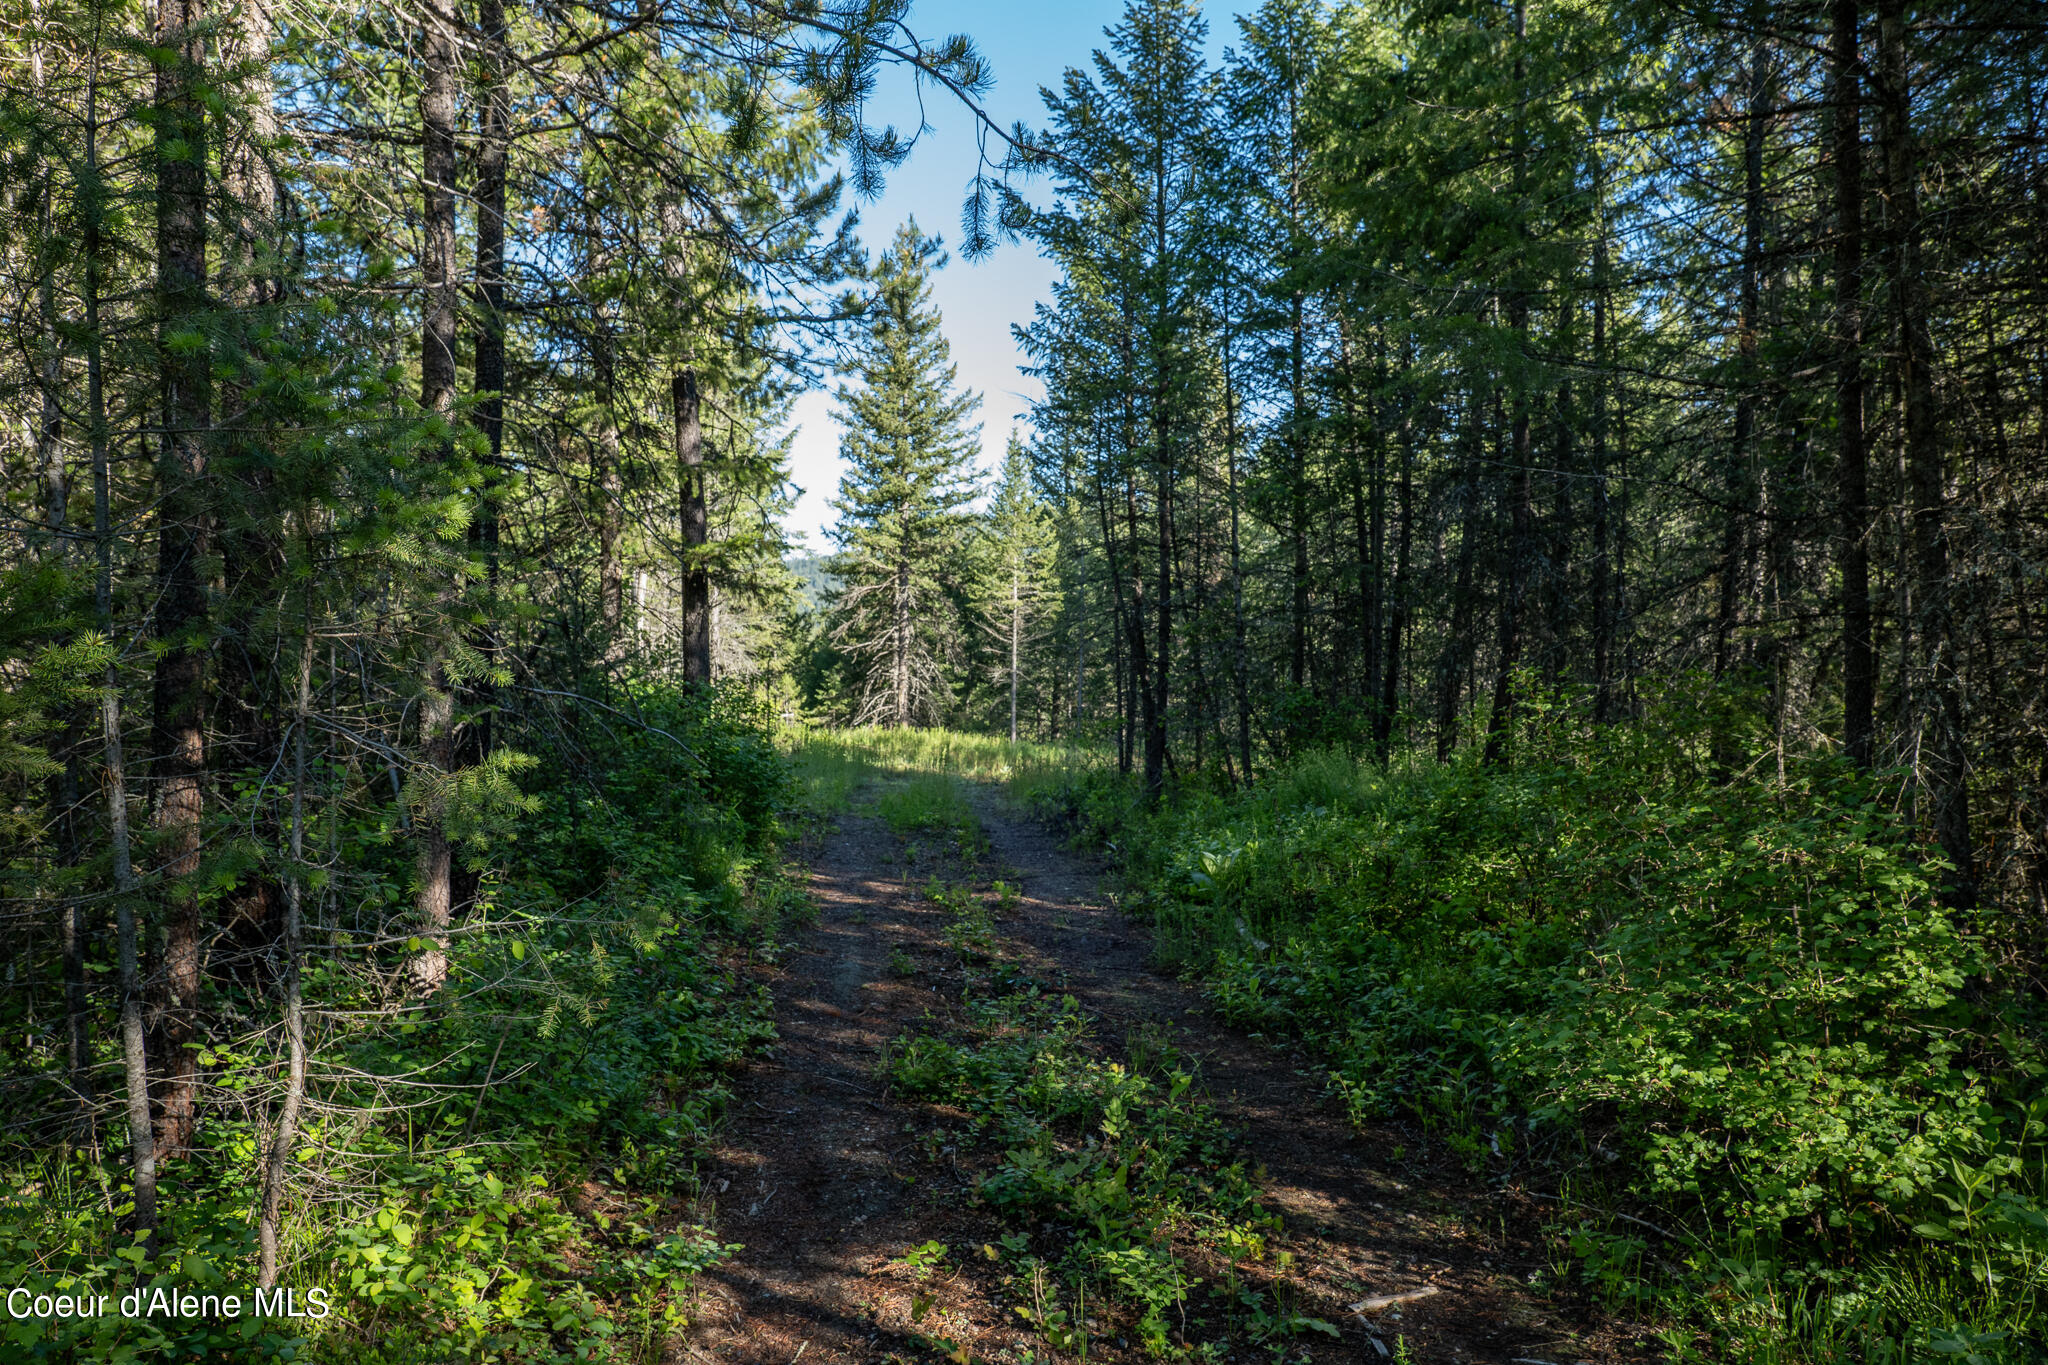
(908, 447)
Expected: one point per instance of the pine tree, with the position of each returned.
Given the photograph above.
(908, 447)
(1016, 573)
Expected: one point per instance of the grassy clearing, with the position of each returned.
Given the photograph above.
(975, 758)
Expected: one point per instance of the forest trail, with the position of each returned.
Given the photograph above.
(821, 1175)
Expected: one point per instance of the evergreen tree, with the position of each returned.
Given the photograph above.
(908, 447)
(1016, 571)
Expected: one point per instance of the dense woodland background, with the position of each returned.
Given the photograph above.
(1534, 538)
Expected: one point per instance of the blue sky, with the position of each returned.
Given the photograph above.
(1029, 45)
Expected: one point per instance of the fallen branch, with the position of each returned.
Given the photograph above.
(1379, 1303)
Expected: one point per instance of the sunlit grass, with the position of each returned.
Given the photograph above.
(925, 801)
(829, 762)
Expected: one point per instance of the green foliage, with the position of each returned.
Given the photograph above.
(909, 450)
(1744, 991)
(1122, 1157)
(930, 804)
(593, 1013)
(47, 666)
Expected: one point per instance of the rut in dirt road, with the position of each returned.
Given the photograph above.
(829, 1181)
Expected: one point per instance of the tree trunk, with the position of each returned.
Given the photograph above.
(606, 476)
(899, 676)
(50, 420)
(1240, 659)
(696, 528)
(1397, 613)
(1458, 647)
(1016, 630)
(178, 696)
(433, 896)
(494, 145)
(1500, 719)
(1603, 569)
(1139, 674)
(1156, 713)
(134, 1041)
(1944, 767)
(1738, 483)
(1859, 655)
(276, 1162)
(1297, 505)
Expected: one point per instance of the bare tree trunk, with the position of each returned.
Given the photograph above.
(244, 708)
(178, 698)
(50, 420)
(1500, 720)
(1603, 568)
(72, 927)
(1944, 767)
(433, 860)
(1458, 647)
(1138, 677)
(1297, 504)
(1367, 532)
(1016, 630)
(134, 1042)
(1859, 655)
(250, 184)
(1739, 482)
(696, 526)
(494, 145)
(277, 1160)
(609, 482)
(900, 661)
(1240, 666)
(1397, 614)
(1156, 714)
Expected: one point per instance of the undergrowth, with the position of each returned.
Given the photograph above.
(597, 998)
(1728, 1007)
(1120, 1188)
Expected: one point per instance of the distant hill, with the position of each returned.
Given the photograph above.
(813, 582)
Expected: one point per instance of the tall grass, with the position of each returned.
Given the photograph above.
(830, 763)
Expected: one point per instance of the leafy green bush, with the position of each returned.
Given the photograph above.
(1746, 989)
(593, 1009)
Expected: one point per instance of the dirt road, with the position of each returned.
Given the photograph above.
(829, 1181)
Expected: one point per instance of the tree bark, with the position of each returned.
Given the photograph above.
(696, 524)
(1240, 658)
(1603, 365)
(1500, 719)
(1297, 504)
(1397, 607)
(184, 542)
(1859, 655)
(277, 1159)
(494, 145)
(1458, 646)
(1944, 766)
(1016, 631)
(1738, 484)
(433, 897)
(900, 662)
(135, 1067)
